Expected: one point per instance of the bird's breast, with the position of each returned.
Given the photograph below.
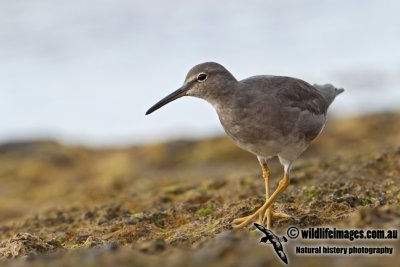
(250, 132)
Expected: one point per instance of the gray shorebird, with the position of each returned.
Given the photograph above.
(265, 115)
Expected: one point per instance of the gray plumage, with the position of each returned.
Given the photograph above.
(265, 115)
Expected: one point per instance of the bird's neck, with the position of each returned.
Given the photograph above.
(221, 97)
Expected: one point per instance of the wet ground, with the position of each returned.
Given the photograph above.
(172, 204)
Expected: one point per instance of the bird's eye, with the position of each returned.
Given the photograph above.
(202, 77)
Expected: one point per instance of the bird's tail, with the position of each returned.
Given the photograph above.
(328, 91)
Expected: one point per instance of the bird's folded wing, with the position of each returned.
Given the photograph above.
(295, 93)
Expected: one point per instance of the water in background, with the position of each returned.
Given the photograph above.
(86, 71)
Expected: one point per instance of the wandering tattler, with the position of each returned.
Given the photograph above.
(265, 115)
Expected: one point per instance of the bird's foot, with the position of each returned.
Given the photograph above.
(264, 216)
(281, 215)
(242, 222)
(262, 213)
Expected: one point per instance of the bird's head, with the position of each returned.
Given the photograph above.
(208, 81)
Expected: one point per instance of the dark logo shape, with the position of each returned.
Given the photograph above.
(274, 240)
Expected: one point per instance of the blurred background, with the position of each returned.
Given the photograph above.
(82, 167)
(85, 72)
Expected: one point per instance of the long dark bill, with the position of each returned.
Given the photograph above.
(171, 97)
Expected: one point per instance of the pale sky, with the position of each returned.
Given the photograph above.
(85, 72)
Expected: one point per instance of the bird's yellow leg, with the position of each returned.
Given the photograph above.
(283, 184)
(266, 175)
(266, 214)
